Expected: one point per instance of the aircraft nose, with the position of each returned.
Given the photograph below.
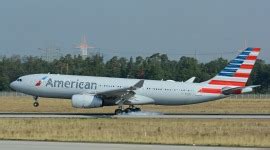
(13, 85)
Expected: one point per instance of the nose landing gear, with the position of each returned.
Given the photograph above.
(35, 104)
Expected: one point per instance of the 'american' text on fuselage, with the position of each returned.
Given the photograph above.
(71, 84)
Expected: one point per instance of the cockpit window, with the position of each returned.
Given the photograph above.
(20, 80)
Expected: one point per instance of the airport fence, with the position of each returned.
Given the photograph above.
(12, 94)
(242, 96)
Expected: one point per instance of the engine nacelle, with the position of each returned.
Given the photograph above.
(85, 101)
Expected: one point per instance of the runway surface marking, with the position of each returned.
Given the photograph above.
(34, 145)
(135, 115)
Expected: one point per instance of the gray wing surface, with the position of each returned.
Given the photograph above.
(123, 94)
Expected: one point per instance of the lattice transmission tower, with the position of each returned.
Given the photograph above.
(83, 47)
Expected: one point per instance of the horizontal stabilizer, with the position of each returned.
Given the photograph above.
(237, 90)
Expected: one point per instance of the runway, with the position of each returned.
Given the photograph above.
(33, 145)
(135, 115)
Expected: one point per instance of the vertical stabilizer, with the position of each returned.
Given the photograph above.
(235, 74)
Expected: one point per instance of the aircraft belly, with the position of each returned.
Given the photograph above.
(181, 99)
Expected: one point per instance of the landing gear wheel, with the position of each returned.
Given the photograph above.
(137, 109)
(35, 104)
(118, 111)
(128, 110)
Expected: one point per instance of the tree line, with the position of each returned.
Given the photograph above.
(156, 67)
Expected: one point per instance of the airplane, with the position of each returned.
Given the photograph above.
(93, 92)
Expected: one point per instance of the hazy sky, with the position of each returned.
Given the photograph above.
(136, 27)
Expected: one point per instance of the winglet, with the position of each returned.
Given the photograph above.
(138, 84)
(191, 80)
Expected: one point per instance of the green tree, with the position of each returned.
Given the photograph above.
(186, 68)
(113, 67)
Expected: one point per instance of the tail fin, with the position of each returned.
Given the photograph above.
(235, 74)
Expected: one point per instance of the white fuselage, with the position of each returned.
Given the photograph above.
(152, 92)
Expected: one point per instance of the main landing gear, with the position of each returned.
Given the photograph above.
(130, 109)
(35, 104)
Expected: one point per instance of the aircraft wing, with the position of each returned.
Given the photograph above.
(123, 94)
(237, 90)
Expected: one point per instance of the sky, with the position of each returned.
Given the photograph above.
(207, 28)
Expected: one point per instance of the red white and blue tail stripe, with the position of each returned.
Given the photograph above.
(235, 74)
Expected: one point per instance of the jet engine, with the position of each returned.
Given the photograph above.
(85, 101)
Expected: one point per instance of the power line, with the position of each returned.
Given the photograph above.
(50, 53)
(114, 51)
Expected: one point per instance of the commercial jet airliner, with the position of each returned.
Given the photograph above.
(92, 92)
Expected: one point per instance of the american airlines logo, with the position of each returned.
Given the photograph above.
(71, 84)
(39, 82)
